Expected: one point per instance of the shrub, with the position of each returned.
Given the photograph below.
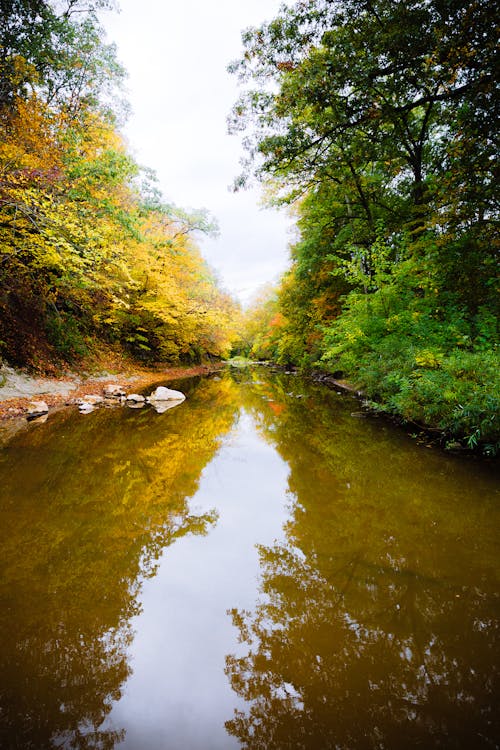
(421, 361)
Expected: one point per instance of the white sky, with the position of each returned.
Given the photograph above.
(176, 54)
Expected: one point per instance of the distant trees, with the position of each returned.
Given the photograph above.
(89, 251)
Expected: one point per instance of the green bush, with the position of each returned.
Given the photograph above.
(421, 359)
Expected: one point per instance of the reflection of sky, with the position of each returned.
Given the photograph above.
(178, 695)
(176, 55)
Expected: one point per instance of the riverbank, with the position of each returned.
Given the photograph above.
(429, 435)
(19, 388)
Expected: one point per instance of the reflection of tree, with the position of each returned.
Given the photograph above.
(376, 625)
(88, 505)
(397, 670)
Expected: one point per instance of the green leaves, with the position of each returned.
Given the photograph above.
(375, 120)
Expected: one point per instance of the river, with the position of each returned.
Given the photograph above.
(262, 566)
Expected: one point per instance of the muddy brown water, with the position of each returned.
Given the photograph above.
(258, 567)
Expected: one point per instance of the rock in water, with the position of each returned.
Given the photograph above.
(91, 398)
(86, 407)
(136, 398)
(39, 420)
(37, 409)
(166, 394)
(114, 391)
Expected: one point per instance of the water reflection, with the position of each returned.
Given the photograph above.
(178, 695)
(88, 504)
(376, 625)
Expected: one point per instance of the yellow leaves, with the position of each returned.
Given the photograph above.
(15, 70)
(176, 293)
(354, 334)
(13, 155)
(429, 358)
(29, 137)
(72, 221)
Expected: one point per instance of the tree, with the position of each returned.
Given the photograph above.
(361, 77)
(89, 249)
(57, 49)
(377, 120)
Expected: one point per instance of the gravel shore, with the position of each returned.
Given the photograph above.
(18, 388)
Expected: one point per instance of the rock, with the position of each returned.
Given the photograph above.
(166, 394)
(86, 407)
(136, 398)
(137, 404)
(91, 398)
(37, 409)
(112, 390)
(15, 384)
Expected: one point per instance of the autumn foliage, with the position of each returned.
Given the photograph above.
(89, 251)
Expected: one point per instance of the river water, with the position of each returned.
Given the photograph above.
(260, 567)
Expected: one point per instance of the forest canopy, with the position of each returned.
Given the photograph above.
(90, 253)
(377, 122)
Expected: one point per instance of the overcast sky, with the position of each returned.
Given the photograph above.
(176, 55)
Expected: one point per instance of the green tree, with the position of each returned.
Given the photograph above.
(363, 84)
(56, 48)
(378, 120)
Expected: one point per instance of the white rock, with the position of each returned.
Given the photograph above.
(112, 390)
(166, 394)
(136, 398)
(92, 398)
(36, 409)
(86, 408)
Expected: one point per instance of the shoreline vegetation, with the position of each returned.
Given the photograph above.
(427, 434)
(386, 160)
